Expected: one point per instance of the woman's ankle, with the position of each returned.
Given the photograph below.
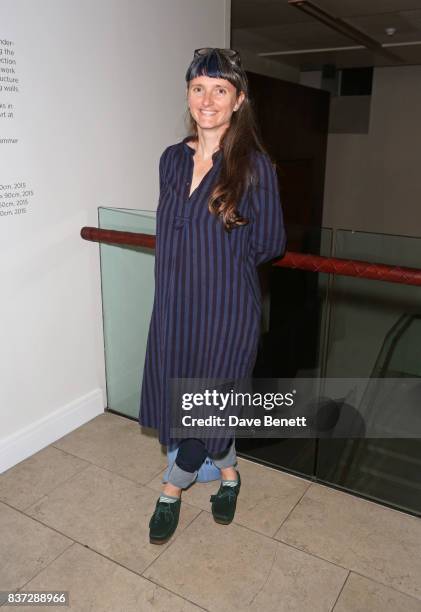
(229, 473)
(172, 490)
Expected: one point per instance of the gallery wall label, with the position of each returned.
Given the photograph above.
(15, 194)
(9, 80)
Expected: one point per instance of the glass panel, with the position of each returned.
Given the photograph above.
(292, 342)
(375, 331)
(127, 278)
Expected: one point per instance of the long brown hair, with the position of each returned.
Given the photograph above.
(239, 140)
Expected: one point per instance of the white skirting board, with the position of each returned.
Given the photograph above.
(33, 438)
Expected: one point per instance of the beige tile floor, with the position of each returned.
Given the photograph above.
(74, 517)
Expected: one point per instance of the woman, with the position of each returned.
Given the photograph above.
(218, 218)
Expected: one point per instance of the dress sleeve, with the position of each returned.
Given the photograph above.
(162, 163)
(162, 182)
(268, 236)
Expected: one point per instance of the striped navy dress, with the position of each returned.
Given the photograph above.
(206, 315)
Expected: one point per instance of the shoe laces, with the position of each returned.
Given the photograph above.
(225, 492)
(163, 509)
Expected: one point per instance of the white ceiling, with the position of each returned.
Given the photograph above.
(265, 26)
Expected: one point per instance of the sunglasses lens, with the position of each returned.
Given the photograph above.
(231, 53)
(203, 51)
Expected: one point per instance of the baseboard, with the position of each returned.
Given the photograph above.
(33, 438)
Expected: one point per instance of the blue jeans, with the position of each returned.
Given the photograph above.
(191, 454)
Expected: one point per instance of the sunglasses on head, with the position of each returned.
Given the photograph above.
(231, 54)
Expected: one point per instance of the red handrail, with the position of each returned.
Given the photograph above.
(291, 259)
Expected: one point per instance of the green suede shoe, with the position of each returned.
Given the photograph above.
(164, 521)
(225, 502)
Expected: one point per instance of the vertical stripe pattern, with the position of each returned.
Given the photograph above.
(206, 315)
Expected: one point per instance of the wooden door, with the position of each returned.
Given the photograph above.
(293, 120)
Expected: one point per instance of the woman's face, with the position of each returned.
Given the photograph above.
(212, 101)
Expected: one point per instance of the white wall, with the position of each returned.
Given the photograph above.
(101, 95)
(373, 180)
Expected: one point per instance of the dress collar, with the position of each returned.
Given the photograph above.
(190, 150)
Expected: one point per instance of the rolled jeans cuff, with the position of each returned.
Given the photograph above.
(227, 460)
(180, 478)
